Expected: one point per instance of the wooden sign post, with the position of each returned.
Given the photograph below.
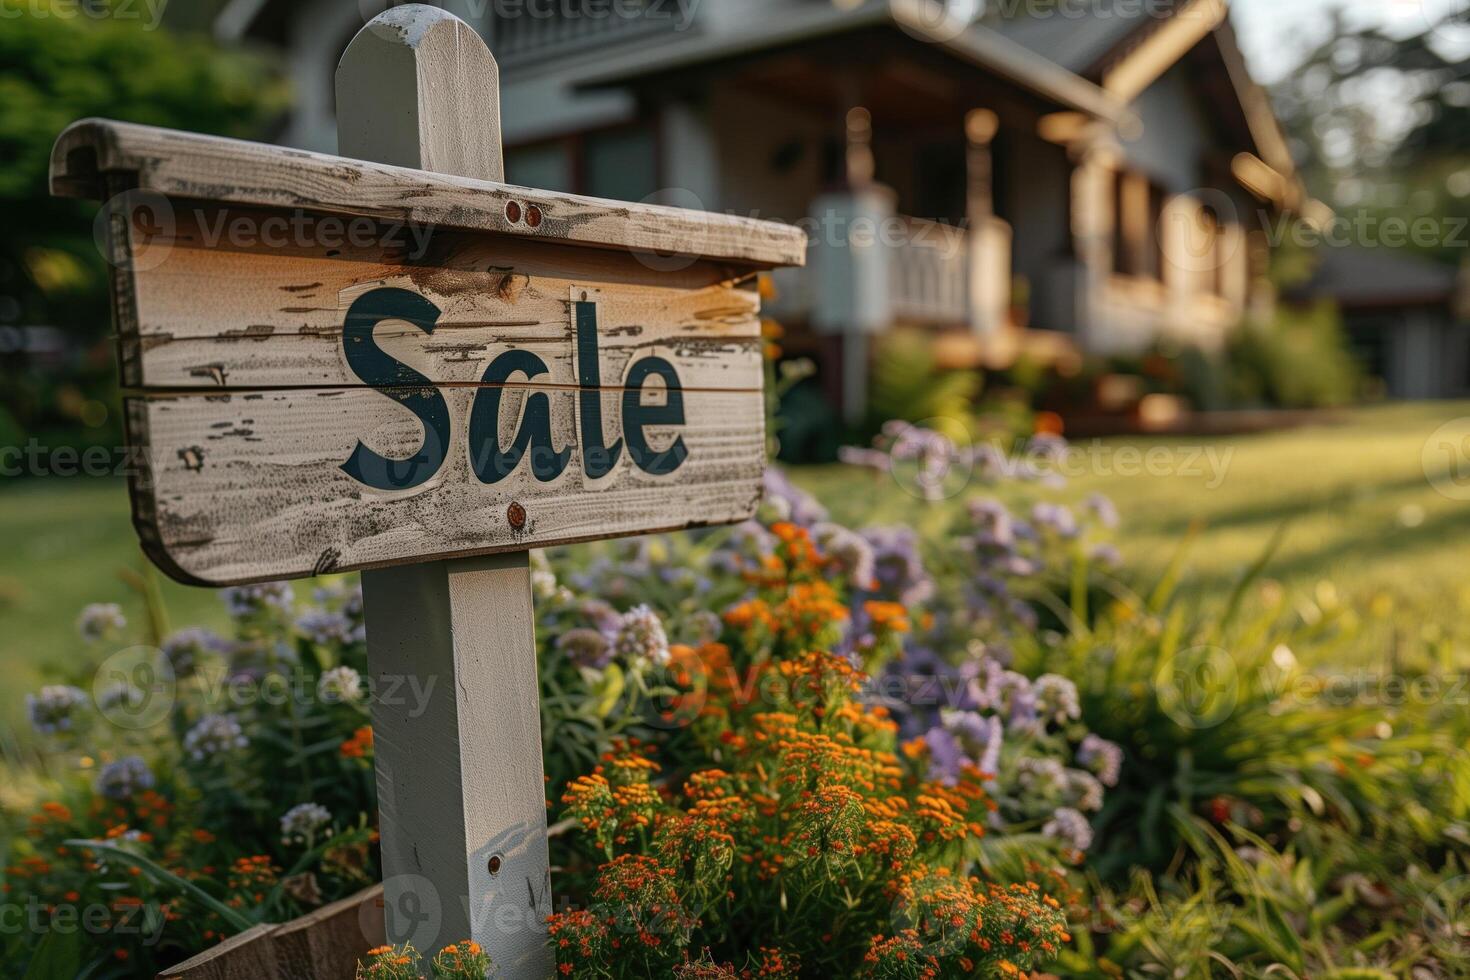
(408, 367)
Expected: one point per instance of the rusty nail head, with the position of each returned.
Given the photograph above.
(533, 216)
(516, 514)
(495, 862)
(512, 212)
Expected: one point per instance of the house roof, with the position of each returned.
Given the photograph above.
(1091, 58)
(977, 44)
(1361, 278)
(1078, 42)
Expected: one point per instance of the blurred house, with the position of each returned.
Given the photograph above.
(1089, 177)
(1407, 317)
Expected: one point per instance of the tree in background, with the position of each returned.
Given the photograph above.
(1381, 124)
(60, 63)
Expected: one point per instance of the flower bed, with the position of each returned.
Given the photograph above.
(794, 748)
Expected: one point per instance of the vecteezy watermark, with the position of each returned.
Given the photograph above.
(150, 12)
(145, 920)
(135, 688)
(1098, 458)
(944, 20)
(1445, 459)
(139, 230)
(35, 459)
(410, 909)
(677, 15)
(1365, 229)
(1198, 687)
(1366, 688)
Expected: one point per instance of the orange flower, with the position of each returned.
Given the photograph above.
(359, 744)
(888, 616)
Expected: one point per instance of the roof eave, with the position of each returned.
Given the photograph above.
(977, 44)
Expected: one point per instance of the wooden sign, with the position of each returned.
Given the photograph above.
(413, 368)
(331, 364)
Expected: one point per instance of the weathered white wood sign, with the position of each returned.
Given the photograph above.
(412, 368)
(335, 365)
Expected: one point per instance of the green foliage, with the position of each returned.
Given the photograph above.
(61, 68)
(908, 384)
(1298, 360)
(200, 787)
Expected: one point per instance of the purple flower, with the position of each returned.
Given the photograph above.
(1056, 698)
(1085, 791)
(1101, 508)
(897, 566)
(995, 527)
(54, 708)
(326, 628)
(214, 735)
(790, 502)
(245, 601)
(1055, 518)
(640, 636)
(301, 823)
(185, 649)
(980, 737)
(946, 758)
(585, 647)
(100, 620)
(604, 617)
(849, 551)
(704, 626)
(122, 779)
(1070, 827)
(1101, 757)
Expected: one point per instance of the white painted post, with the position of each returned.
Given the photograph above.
(461, 796)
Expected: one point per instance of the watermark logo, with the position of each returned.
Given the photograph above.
(410, 910)
(678, 15)
(138, 230)
(936, 21)
(135, 688)
(1194, 243)
(1198, 687)
(148, 12)
(1446, 459)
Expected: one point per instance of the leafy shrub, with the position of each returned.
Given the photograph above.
(1300, 359)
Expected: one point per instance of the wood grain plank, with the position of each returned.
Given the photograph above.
(247, 956)
(249, 486)
(326, 944)
(194, 167)
(201, 316)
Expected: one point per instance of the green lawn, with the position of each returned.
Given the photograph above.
(1359, 511)
(1361, 515)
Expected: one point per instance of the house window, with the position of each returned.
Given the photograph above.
(1138, 209)
(619, 163)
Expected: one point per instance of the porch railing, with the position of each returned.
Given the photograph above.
(929, 272)
(870, 269)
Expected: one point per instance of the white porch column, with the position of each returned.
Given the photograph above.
(989, 238)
